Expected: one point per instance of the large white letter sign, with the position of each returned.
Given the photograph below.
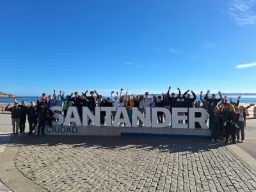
(58, 116)
(201, 120)
(87, 114)
(108, 111)
(178, 120)
(75, 119)
(118, 119)
(136, 114)
(167, 120)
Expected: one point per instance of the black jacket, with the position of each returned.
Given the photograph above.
(23, 111)
(16, 111)
(189, 102)
(32, 113)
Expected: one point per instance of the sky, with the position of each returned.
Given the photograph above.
(139, 45)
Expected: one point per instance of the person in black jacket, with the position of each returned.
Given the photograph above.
(104, 103)
(15, 111)
(23, 116)
(231, 123)
(42, 117)
(188, 101)
(32, 117)
(212, 103)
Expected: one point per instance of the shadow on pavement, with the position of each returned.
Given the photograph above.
(163, 144)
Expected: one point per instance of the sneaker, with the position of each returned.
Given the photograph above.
(242, 141)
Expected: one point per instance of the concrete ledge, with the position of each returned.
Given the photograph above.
(9, 174)
(118, 131)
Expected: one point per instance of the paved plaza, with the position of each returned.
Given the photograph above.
(133, 164)
(59, 163)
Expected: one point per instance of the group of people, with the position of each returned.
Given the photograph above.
(226, 119)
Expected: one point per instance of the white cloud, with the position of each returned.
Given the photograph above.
(243, 11)
(246, 65)
(175, 51)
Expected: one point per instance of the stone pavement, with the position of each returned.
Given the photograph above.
(5, 129)
(249, 144)
(132, 164)
(121, 164)
(4, 139)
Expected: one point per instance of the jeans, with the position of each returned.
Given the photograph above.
(140, 122)
(15, 125)
(22, 124)
(32, 125)
(41, 126)
(215, 130)
(241, 126)
(231, 130)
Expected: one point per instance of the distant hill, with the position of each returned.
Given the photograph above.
(6, 95)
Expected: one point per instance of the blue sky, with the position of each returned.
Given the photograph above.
(143, 45)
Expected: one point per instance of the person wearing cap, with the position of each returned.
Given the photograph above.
(15, 111)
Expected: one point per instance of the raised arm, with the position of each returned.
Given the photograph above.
(238, 101)
(121, 90)
(97, 94)
(168, 92)
(7, 108)
(206, 95)
(85, 93)
(201, 97)
(54, 94)
(249, 106)
(220, 95)
(179, 95)
(194, 95)
(184, 94)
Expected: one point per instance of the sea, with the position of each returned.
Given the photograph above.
(245, 98)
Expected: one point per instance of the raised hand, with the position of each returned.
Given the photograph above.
(208, 91)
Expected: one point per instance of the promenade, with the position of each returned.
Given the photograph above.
(59, 163)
